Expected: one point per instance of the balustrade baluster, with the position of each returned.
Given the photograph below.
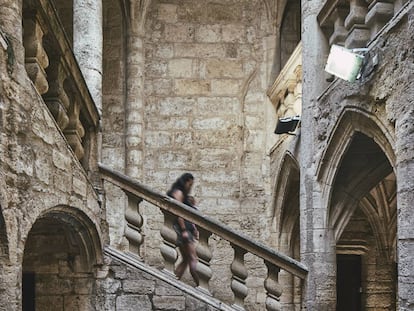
(134, 221)
(204, 256)
(358, 32)
(339, 33)
(273, 288)
(168, 248)
(56, 98)
(36, 59)
(74, 132)
(238, 280)
(380, 12)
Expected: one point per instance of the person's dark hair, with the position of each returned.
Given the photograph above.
(179, 184)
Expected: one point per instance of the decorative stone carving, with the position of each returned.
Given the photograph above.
(286, 91)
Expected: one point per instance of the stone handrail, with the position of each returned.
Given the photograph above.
(54, 71)
(274, 261)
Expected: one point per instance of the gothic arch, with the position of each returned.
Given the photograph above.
(286, 205)
(353, 119)
(353, 122)
(358, 185)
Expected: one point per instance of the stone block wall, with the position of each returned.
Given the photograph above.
(40, 173)
(204, 112)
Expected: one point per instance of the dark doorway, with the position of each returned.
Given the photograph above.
(28, 289)
(348, 283)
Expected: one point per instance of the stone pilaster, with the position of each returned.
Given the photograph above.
(405, 198)
(316, 251)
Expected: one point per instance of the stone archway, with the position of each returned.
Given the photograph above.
(363, 216)
(360, 188)
(61, 254)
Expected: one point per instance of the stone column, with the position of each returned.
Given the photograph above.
(88, 44)
(317, 252)
(134, 106)
(405, 197)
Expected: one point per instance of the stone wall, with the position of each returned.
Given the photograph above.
(205, 112)
(378, 105)
(40, 173)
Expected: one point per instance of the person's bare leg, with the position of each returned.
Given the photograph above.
(179, 271)
(193, 262)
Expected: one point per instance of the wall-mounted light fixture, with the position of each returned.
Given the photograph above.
(344, 63)
(287, 125)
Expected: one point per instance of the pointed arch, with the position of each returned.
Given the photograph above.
(285, 211)
(357, 129)
(351, 120)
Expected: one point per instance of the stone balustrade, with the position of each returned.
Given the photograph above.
(286, 92)
(241, 245)
(353, 23)
(55, 73)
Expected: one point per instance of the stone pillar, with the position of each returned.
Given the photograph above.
(317, 252)
(134, 106)
(88, 44)
(405, 197)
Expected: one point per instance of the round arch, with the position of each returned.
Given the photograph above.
(62, 254)
(75, 228)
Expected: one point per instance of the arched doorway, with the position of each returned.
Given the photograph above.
(363, 217)
(61, 253)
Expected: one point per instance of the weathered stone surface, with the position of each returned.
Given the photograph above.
(185, 89)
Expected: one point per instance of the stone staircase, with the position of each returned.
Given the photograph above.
(200, 298)
(148, 288)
